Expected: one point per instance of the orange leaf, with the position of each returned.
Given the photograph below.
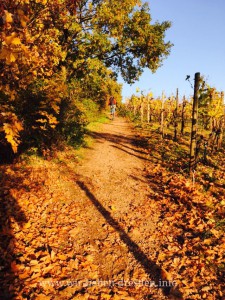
(14, 266)
(24, 275)
(62, 257)
(165, 275)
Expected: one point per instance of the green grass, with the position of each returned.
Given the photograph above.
(96, 125)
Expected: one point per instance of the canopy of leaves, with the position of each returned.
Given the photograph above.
(122, 36)
(47, 45)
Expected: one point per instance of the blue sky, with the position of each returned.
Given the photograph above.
(198, 35)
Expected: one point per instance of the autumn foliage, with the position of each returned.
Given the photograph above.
(59, 62)
(191, 205)
(61, 52)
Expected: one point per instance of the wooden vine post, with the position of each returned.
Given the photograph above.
(176, 116)
(134, 102)
(142, 109)
(192, 161)
(162, 117)
(222, 123)
(148, 109)
(182, 116)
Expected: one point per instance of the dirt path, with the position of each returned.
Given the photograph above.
(82, 229)
(121, 217)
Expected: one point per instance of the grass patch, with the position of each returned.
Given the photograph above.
(96, 125)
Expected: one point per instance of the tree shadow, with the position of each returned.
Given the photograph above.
(138, 156)
(138, 179)
(120, 141)
(150, 267)
(133, 149)
(111, 137)
(10, 213)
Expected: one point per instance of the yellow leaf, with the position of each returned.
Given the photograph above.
(42, 297)
(62, 257)
(9, 139)
(41, 120)
(113, 208)
(52, 254)
(16, 41)
(8, 39)
(33, 262)
(27, 225)
(207, 241)
(25, 49)
(216, 233)
(36, 269)
(206, 288)
(8, 17)
(161, 256)
(106, 296)
(11, 58)
(47, 269)
(14, 148)
(89, 258)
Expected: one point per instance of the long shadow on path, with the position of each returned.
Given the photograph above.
(128, 152)
(150, 267)
(123, 143)
(111, 137)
